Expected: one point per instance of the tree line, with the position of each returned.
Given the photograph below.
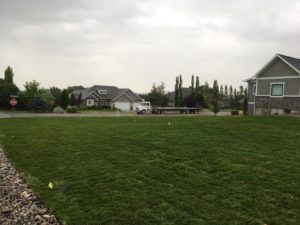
(34, 97)
(214, 97)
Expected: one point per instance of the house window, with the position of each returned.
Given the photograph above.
(276, 89)
(254, 89)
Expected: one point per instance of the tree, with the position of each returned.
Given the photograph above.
(230, 97)
(192, 86)
(64, 100)
(38, 104)
(197, 88)
(56, 93)
(9, 75)
(198, 94)
(221, 93)
(245, 103)
(215, 101)
(157, 95)
(241, 91)
(70, 89)
(7, 88)
(177, 91)
(226, 92)
(190, 101)
(32, 88)
(79, 99)
(72, 99)
(180, 102)
(205, 94)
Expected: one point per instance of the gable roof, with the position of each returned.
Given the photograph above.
(293, 63)
(106, 92)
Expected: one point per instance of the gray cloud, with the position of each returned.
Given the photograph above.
(132, 43)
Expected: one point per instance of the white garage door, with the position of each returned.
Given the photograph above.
(123, 106)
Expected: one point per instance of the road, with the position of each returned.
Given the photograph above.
(102, 114)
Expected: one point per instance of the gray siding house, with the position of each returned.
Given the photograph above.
(275, 88)
(108, 96)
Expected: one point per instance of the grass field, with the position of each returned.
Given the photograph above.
(141, 170)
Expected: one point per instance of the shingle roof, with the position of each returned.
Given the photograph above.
(106, 92)
(293, 61)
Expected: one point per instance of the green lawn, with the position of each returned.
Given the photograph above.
(140, 170)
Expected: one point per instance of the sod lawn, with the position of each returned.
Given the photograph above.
(161, 170)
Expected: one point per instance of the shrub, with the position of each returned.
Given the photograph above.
(38, 104)
(71, 109)
(215, 108)
(58, 109)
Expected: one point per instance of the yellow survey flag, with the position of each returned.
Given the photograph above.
(50, 185)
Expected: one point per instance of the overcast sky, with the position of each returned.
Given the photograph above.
(133, 43)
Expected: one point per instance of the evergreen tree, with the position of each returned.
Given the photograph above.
(64, 100)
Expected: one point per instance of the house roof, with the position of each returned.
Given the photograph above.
(106, 92)
(292, 62)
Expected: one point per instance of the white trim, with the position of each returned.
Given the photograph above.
(264, 67)
(292, 96)
(275, 83)
(273, 78)
(251, 103)
(268, 63)
(256, 87)
(294, 68)
(287, 96)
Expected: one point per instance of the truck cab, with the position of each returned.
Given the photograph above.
(144, 108)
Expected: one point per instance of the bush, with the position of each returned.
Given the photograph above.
(58, 109)
(38, 105)
(71, 109)
(215, 108)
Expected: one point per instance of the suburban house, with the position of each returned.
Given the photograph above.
(108, 96)
(275, 88)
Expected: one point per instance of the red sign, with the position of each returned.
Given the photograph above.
(13, 102)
